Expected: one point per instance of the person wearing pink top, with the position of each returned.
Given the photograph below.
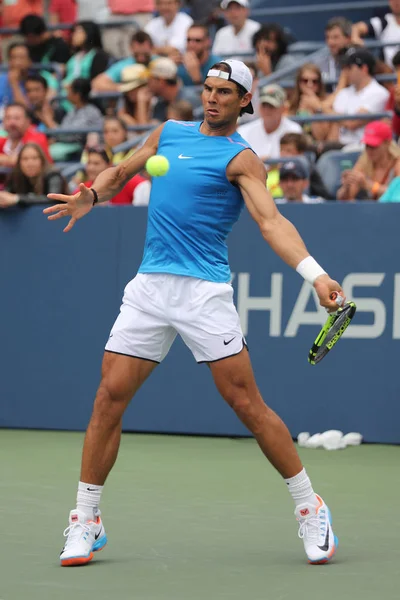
(117, 40)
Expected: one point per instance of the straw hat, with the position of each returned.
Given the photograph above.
(133, 77)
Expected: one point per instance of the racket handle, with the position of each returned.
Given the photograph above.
(337, 297)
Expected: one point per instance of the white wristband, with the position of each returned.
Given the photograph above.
(310, 269)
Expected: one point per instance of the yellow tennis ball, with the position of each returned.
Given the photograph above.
(157, 165)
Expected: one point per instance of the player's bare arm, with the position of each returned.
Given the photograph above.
(248, 172)
(107, 185)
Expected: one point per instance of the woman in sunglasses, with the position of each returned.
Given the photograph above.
(308, 98)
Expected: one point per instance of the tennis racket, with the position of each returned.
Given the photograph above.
(335, 326)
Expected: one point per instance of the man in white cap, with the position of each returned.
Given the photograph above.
(183, 286)
(264, 134)
(236, 37)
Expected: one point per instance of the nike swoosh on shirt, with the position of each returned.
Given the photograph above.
(181, 156)
(325, 547)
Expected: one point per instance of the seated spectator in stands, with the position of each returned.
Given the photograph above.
(337, 37)
(385, 29)
(264, 134)
(12, 83)
(63, 12)
(165, 86)
(270, 44)
(20, 131)
(136, 191)
(181, 110)
(41, 110)
(32, 179)
(393, 102)
(135, 14)
(168, 30)
(255, 100)
(377, 166)
(295, 144)
(364, 94)
(43, 46)
(84, 115)
(114, 134)
(238, 35)
(88, 57)
(392, 194)
(134, 108)
(294, 183)
(142, 53)
(13, 12)
(308, 99)
(197, 60)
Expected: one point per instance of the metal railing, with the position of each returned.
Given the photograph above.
(340, 7)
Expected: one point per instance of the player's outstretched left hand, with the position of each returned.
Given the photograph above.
(324, 286)
(75, 206)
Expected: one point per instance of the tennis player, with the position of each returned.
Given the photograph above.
(183, 286)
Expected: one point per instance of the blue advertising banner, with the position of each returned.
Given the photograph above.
(60, 294)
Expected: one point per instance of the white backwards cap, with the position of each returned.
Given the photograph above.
(238, 73)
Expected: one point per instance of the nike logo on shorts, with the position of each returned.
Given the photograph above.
(229, 341)
(181, 156)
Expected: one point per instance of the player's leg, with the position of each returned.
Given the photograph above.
(211, 329)
(121, 378)
(235, 381)
(139, 340)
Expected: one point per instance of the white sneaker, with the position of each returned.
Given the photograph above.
(315, 529)
(83, 538)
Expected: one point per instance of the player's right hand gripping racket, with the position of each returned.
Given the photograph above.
(335, 326)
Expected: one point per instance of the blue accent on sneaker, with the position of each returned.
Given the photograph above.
(100, 543)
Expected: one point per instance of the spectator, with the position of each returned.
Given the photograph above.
(255, 100)
(20, 131)
(168, 31)
(41, 110)
(392, 194)
(142, 53)
(135, 106)
(377, 166)
(12, 83)
(264, 134)
(132, 193)
(181, 110)
(270, 44)
(117, 39)
(88, 57)
(165, 86)
(385, 29)
(197, 60)
(238, 35)
(294, 182)
(295, 144)
(63, 12)
(308, 99)
(393, 102)
(337, 37)
(43, 46)
(13, 12)
(364, 94)
(83, 116)
(32, 179)
(115, 133)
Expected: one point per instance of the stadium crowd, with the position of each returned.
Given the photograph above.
(78, 99)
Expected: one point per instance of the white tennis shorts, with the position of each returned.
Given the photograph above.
(157, 307)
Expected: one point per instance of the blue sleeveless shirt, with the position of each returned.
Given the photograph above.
(194, 206)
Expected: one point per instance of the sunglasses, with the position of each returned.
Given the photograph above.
(309, 80)
(198, 40)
